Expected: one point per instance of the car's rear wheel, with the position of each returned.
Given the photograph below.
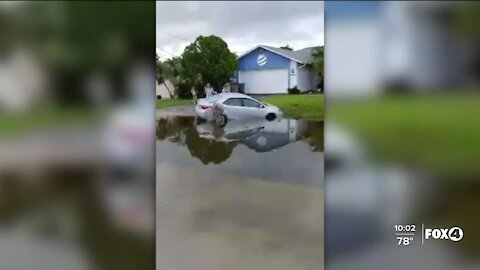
(271, 116)
(221, 121)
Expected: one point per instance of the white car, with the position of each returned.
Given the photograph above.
(227, 106)
(130, 134)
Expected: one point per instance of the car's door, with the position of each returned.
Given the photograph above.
(253, 108)
(233, 108)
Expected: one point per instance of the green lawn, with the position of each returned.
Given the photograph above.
(440, 133)
(165, 103)
(308, 106)
(18, 123)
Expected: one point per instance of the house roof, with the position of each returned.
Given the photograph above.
(302, 56)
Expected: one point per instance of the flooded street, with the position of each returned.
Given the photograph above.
(74, 219)
(245, 196)
(366, 198)
(64, 204)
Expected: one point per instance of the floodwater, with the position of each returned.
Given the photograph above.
(365, 199)
(245, 196)
(62, 207)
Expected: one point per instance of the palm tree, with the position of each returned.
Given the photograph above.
(318, 61)
(286, 47)
(162, 74)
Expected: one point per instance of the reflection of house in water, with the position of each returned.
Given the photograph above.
(284, 150)
(276, 135)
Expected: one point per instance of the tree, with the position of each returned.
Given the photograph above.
(318, 65)
(208, 60)
(163, 73)
(286, 47)
(318, 61)
(174, 66)
(74, 39)
(462, 21)
(181, 78)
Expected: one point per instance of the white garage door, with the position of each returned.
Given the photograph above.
(264, 81)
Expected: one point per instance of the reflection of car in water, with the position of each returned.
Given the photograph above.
(127, 200)
(126, 190)
(257, 134)
(130, 134)
(229, 106)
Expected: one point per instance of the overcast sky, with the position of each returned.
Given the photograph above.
(243, 25)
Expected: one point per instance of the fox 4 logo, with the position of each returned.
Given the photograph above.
(454, 234)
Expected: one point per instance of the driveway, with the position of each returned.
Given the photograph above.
(180, 110)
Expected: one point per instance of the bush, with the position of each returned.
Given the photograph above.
(200, 89)
(312, 91)
(320, 86)
(184, 91)
(293, 90)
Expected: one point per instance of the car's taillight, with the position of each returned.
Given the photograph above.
(134, 135)
(204, 107)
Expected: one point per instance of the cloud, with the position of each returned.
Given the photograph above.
(242, 25)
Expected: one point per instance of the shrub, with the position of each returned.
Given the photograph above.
(200, 90)
(184, 91)
(320, 86)
(293, 90)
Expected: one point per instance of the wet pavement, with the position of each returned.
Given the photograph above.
(246, 196)
(366, 198)
(66, 204)
(180, 110)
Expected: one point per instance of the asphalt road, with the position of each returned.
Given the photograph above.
(81, 145)
(180, 110)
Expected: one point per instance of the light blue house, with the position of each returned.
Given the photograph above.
(376, 45)
(270, 70)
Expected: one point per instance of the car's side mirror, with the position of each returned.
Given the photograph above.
(262, 106)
